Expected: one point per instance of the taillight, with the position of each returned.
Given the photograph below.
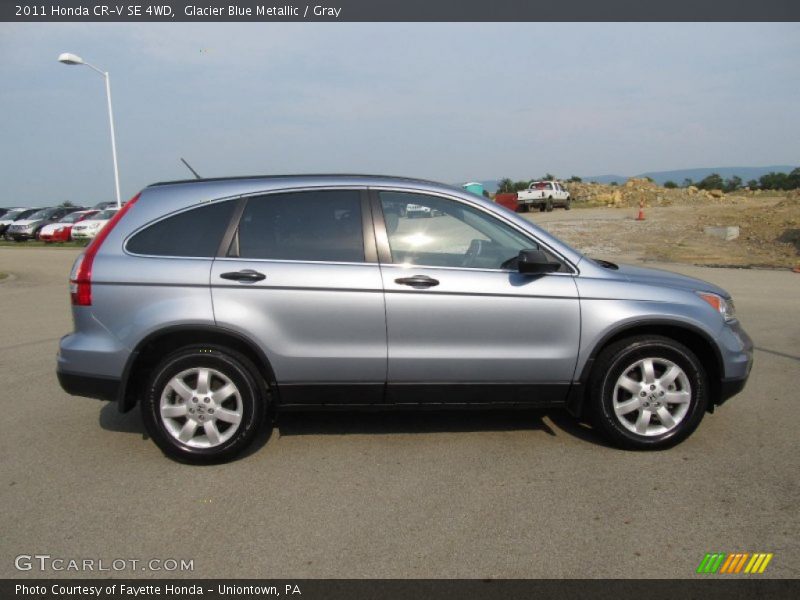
(80, 281)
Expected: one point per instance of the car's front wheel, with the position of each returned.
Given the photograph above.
(648, 392)
(203, 404)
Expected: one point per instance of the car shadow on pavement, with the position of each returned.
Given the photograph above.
(433, 421)
(350, 422)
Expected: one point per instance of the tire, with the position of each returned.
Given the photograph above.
(567, 204)
(187, 437)
(523, 208)
(634, 422)
(542, 207)
(549, 205)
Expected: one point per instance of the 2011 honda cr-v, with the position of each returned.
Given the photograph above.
(209, 301)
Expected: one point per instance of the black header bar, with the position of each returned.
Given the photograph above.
(400, 10)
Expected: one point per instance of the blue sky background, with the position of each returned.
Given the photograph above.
(451, 102)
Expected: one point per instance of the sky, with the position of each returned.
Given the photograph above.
(451, 102)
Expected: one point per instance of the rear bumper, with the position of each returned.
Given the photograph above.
(90, 386)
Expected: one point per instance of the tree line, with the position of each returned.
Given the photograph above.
(770, 181)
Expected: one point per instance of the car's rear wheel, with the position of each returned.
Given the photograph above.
(648, 392)
(567, 204)
(203, 404)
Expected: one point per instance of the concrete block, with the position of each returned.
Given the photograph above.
(723, 233)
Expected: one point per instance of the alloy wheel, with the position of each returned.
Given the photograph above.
(652, 396)
(201, 407)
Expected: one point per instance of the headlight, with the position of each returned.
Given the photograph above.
(720, 304)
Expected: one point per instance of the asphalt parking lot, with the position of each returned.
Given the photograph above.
(485, 494)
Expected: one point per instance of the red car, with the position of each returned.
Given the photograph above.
(60, 232)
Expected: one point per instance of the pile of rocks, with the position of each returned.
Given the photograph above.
(636, 190)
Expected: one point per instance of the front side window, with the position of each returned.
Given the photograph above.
(195, 233)
(323, 225)
(438, 232)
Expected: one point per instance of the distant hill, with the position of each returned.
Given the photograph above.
(746, 173)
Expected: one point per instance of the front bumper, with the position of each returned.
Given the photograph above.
(728, 388)
(21, 235)
(738, 362)
(56, 236)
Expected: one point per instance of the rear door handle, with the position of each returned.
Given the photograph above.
(244, 275)
(418, 281)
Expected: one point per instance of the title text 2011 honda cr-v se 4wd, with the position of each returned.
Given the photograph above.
(208, 302)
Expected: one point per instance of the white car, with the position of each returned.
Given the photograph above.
(86, 230)
(417, 210)
(12, 214)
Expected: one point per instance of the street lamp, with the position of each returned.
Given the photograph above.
(72, 59)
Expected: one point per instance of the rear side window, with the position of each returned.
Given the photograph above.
(195, 233)
(320, 225)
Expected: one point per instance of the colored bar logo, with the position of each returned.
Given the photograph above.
(731, 564)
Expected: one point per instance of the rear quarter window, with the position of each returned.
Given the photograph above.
(195, 233)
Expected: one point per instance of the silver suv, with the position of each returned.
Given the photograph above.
(211, 302)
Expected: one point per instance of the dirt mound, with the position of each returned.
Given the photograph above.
(642, 190)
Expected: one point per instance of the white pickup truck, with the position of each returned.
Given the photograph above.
(544, 195)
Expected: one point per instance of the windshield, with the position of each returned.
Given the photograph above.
(104, 215)
(12, 214)
(73, 217)
(40, 214)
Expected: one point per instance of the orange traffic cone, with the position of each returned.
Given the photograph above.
(640, 216)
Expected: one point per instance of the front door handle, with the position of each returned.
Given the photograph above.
(418, 281)
(244, 275)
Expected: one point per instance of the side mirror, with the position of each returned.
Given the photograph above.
(535, 262)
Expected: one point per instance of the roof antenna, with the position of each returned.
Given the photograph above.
(188, 166)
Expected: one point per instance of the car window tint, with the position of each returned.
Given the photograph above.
(320, 225)
(194, 233)
(437, 232)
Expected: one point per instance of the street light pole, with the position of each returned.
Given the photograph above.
(72, 59)
(113, 139)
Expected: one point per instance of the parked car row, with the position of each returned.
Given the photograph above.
(54, 224)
